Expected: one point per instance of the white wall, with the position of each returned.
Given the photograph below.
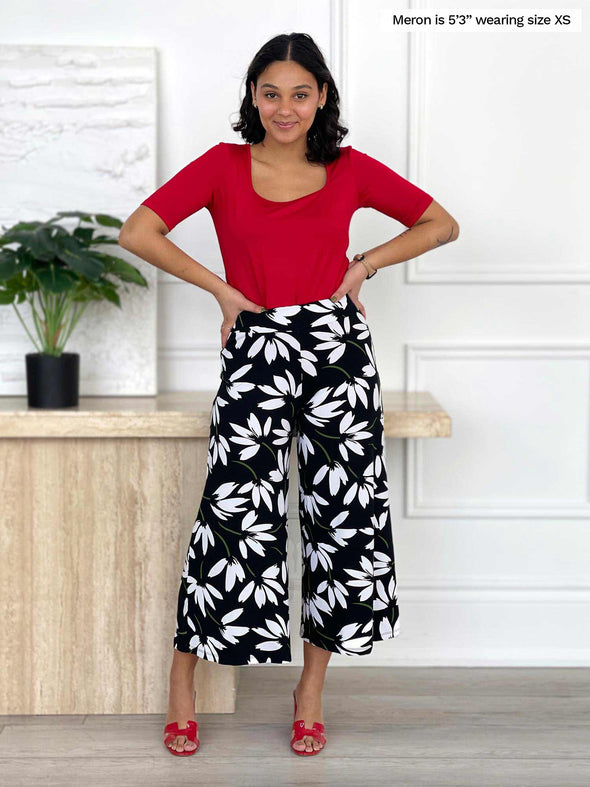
(491, 526)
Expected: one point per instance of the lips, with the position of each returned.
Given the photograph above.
(284, 125)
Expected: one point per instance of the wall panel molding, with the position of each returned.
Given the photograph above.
(417, 505)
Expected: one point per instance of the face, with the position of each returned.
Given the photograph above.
(287, 99)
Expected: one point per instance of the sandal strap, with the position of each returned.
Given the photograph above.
(174, 730)
(316, 732)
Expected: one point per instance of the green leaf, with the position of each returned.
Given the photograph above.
(8, 268)
(124, 270)
(79, 259)
(84, 234)
(55, 279)
(104, 239)
(39, 241)
(108, 221)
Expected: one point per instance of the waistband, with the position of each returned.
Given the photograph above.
(287, 318)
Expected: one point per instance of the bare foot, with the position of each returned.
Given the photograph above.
(181, 710)
(309, 708)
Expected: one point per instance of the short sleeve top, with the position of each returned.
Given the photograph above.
(291, 252)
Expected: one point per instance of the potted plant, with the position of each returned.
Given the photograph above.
(59, 273)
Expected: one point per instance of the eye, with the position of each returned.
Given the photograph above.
(267, 95)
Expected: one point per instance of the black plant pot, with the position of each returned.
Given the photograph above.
(52, 381)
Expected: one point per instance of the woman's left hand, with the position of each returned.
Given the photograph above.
(351, 284)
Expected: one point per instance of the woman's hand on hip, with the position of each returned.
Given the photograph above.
(232, 302)
(351, 284)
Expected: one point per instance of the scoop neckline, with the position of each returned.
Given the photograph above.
(248, 147)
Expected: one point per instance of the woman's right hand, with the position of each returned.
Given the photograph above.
(232, 302)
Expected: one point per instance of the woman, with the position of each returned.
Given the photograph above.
(297, 359)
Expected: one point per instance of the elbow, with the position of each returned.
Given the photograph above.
(123, 237)
(449, 230)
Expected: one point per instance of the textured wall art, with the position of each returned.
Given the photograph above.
(78, 132)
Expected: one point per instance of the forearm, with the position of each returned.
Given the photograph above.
(411, 243)
(155, 248)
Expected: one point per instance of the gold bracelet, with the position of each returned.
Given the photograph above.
(361, 258)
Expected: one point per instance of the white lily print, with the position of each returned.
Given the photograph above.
(337, 476)
(207, 649)
(319, 553)
(283, 432)
(276, 633)
(361, 327)
(304, 446)
(381, 563)
(254, 533)
(342, 535)
(337, 592)
(252, 436)
(310, 503)
(233, 387)
(201, 531)
(272, 343)
(219, 450)
(222, 504)
(383, 596)
(285, 389)
(363, 489)
(333, 342)
(234, 570)
(203, 591)
(265, 589)
(362, 578)
(233, 633)
(322, 407)
(353, 434)
(313, 606)
(355, 390)
(308, 361)
(348, 643)
(280, 473)
(259, 490)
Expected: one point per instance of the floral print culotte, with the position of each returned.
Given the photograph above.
(308, 371)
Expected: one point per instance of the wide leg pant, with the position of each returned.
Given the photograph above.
(306, 370)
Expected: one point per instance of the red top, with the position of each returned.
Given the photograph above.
(284, 253)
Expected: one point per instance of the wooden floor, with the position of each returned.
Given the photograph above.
(435, 726)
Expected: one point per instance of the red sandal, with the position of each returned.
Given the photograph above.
(172, 731)
(317, 732)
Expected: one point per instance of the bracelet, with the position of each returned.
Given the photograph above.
(361, 258)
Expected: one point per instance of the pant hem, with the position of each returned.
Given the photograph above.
(343, 652)
(226, 662)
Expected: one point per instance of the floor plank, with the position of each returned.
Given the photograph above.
(440, 727)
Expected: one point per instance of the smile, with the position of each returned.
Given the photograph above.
(284, 125)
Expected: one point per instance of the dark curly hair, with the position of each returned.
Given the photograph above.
(326, 133)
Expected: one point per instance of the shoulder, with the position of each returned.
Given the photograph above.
(230, 149)
(217, 153)
(358, 157)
